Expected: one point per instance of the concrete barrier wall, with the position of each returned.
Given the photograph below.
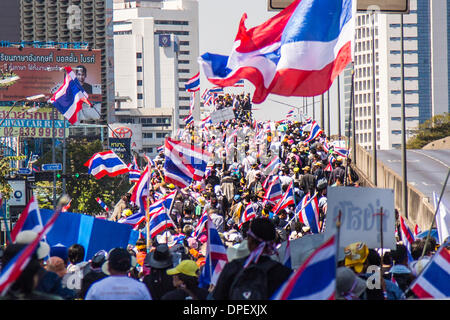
(420, 211)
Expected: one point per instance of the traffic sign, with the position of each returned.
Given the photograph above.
(25, 171)
(51, 167)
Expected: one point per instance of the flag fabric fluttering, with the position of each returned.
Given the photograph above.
(193, 84)
(298, 52)
(442, 219)
(272, 165)
(407, 238)
(201, 225)
(31, 207)
(106, 163)
(134, 174)
(248, 214)
(432, 282)
(141, 191)
(14, 268)
(184, 163)
(290, 113)
(308, 212)
(216, 257)
(316, 277)
(159, 222)
(315, 132)
(286, 200)
(274, 191)
(69, 98)
(343, 152)
(102, 204)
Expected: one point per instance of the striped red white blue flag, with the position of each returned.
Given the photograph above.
(193, 84)
(343, 152)
(298, 52)
(14, 268)
(290, 113)
(315, 132)
(184, 163)
(248, 214)
(274, 191)
(141, 191)
(216, 257)
(272, 165)
(433, 282)
(106, 163)
(308, 212)
(31, 208)
(135, 173)
(201, 225)
(69, 98)
(286, 200)
(159, 222)
(102, 204)
(316, 277)
(407, 238)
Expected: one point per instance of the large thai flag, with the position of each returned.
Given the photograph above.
(216, 257)
(288, 199)
(315, 279)
(407, 238)
(308, 212)
(433, 282)
(272, 165)
(31, 208)
(184, 163)
(298, 52)
(106, 163)
(14, 268)
(274, 191)
(248, 214)
(69, 98)
(193, 84)
(315, 132)
(159, 222)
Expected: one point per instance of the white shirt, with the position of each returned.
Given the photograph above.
(118, 288)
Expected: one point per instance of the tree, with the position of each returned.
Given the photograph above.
(81, 187)
(5, 169)
(436, 128)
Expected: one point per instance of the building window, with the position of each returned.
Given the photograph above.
(140, 96)
(172, 22)
(183, 71)
(126, 120)
(185, 52)
(396, 131)
(183, 61)
(149, 150)
(184, 43)
(163, 120)
(139, 82)
(139, 55)
(180, 33)
(162, 135)
(146, 122)
(147, 135)
(139, 69)
(184, 98)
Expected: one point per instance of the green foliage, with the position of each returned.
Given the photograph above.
(436, 128)
(84, 189)
(5, 187)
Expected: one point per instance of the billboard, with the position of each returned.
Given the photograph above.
(39, 72)
(130, 131)
(37, 124)
(121, 146)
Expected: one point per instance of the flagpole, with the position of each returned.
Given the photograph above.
(147, 212)
(434, 216)
(338, 231)
(8, 234)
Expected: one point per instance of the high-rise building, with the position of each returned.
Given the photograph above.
(426, 71)
(156, 45)
(75, 21)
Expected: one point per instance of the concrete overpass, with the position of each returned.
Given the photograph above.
(427, 170)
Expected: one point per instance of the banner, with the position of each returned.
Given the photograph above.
(121, 146)
(222, 115)
(360, 219)
(132, 131)
(36, 124)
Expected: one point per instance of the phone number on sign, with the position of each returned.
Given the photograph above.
(32, 132)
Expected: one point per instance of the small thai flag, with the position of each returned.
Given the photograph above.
(69, 98)
(239, 84)
(193, 84)
(160, 149)
(308, 213)
(106, 163)
(189, 119)
(315, 132)
(102, 204)
(247, 215)
(290, 113)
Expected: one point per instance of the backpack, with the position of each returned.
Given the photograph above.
(251, 283)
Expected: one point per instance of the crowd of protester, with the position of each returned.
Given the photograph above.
(168, 266)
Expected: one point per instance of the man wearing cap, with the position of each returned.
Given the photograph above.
(185, 280)
(338, 171)
(308, 182)
(118, 286)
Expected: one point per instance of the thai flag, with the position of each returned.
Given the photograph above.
(416, 230)
(69, 98)
(205, 121)
(189, 119)
(272, 165)
(141, 190)
(288, 199)
(184, 163)
(325, 145)
(102, 204)
(134, 174)
(314, 133)
(159, 222)
(287, 261)
(193, 84)
(106, 163)
(331, 161)
(204, 95)
(163, 202)
(14, 268)
(433, 282)
(209, 99)
(216, 257)
(343, 152)
(407, 238)
(31, 209)
(150, 162)
(308, 212)
(309, 120)
(192, 102)
(201, 225)
(315, 279)
(216, 90)
(274, 191)
(298, 52)
(290, 113)
(248, 214)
